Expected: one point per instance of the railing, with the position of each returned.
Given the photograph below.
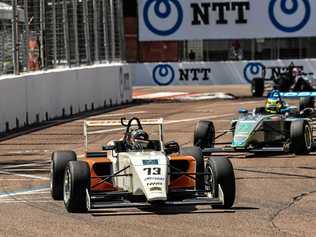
(44, 34)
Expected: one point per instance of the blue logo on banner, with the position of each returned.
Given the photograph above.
(163, 75)
(290, 10)
(163, 9)
(252, 70)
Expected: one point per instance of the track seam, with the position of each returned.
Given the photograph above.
(294, 201)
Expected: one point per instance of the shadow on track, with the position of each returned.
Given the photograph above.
(192, 210)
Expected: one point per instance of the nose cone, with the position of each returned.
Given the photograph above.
(242, 133)
(150, 175)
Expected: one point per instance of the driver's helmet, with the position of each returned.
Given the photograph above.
(138, 139)
(296, 72)
(274, 104)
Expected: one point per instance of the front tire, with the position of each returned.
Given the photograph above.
(76, 184)
(257, 87)
(306, 102)
(58, 164)
(221, 173)
(204, 134)
(301, 137)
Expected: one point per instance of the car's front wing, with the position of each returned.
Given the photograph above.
(101, 201)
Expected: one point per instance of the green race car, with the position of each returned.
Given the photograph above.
(274, 128)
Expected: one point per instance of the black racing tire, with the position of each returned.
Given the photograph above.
(197, 154)
(76, 183)
(302, 85)
(204, 134)
(58, 165)
(257, 87)
(301, 137)
(221, 173)
(306, 102)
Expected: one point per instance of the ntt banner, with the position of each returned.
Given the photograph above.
(209, 73)
(230, 19)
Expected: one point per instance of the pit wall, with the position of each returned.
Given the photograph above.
(208, 73)
(41, 96)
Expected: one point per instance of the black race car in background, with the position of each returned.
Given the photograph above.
(285, 79)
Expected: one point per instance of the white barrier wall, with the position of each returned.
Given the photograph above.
(207, 73)
(35, 97)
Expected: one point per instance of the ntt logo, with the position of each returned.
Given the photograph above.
(252, 70)
(287, 9)
(163, 74)
(166, 16)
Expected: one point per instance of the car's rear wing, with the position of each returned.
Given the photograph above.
(298, 94)
(119, 124)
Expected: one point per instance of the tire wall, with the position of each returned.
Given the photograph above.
(33, 98)
(208, 73)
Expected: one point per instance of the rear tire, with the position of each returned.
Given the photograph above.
(197, 154)
(257, 87)
(221, 173)
(76, 184)
(204, 134)
(59, 162)
(301, 137)
(306, 102)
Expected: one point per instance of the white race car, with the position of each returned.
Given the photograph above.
(136, 171)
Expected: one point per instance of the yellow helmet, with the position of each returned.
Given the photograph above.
(273, 105)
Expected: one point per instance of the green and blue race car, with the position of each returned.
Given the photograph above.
(277, 127)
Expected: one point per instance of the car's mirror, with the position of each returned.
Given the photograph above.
(108, 148)
(172, 147)
(243, 111)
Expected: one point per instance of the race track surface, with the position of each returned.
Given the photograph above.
(276, 196)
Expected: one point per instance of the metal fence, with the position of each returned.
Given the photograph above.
(44, 34)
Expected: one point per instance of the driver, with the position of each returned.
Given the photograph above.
(137, 140)
(274, 104)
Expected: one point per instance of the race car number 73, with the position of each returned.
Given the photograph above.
(153, 171)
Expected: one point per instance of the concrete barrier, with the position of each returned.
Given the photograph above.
(207, 73)
(36, 97)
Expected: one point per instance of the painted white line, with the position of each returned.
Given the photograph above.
(23, 170)
(24, 175)
(170, 122)
(198, 118)
(209, 106)
(158, 95)
(21, 201)
(120, 114)
(10, 194)
(25, 165)
(29, 179)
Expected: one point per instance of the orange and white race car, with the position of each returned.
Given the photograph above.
(137, 171)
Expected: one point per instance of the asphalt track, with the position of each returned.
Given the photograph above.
(276, 196)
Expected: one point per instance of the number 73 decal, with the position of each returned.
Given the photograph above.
(153, 171)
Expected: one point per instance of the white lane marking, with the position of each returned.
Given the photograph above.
(209, 106)
(11, 194)
(158, 95)
(29, 179)
(22, 170)
(24, 175)
(198, 118)
(120, 114)
(26, 165)
(27, 201)
(172, 122)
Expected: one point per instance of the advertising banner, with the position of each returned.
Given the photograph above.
(209, 73)
(230, 19)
